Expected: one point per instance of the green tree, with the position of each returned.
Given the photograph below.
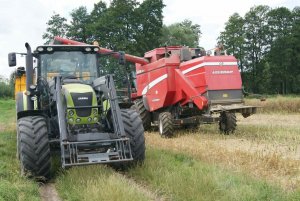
(149, 25)
(57, 26)
(233, 39)
(256, 42)
(124, 25)
(97, 28)
(279, 22)
(284, 55)
(77, 30)
(183, 33)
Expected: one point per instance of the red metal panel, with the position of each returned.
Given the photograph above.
(213, 72)
(156, 82)
(192, 94)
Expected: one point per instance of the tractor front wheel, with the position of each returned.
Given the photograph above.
(165, 124)
(227, 123)
(134, 130)
(33, 147)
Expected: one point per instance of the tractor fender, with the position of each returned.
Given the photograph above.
(21, 106)
(20, 102)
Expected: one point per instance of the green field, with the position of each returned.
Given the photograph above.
(259, 162)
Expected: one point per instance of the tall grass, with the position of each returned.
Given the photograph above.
(277, 104)
(7, 114)
(180, 177)
(97, 182)
(12, 185)
(6, 90)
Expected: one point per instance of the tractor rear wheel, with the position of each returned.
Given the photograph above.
(227, 123)
(33, 147)
(134, 130)
(144, 114)
(165, 124)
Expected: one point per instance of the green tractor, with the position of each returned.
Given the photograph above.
(68, 107)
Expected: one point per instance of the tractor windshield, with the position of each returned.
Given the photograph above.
(69, 64)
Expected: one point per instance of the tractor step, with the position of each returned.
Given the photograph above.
(91, 137)
(95, 152)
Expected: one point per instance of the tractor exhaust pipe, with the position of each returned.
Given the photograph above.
(29, 75)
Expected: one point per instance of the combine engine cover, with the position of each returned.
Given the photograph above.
(215, 77)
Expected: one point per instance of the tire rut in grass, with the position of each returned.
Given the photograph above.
(48, 192)
(143, 188)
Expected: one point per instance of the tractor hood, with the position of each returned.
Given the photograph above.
(79, 95)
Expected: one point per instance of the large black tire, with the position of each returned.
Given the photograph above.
(227, 123)
(134, 130)
(33, 147)
(165, 124)
(144, 114)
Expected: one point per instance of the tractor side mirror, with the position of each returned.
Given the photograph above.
(122, 59)
(12, 59)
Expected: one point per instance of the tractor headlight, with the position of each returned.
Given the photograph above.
(71, 112)
(49, 49)
(89, 119)
(95, 119)
(88, 49)
(32, 87)
(95, 111)
(40, 49)
(78, 120)
(96, 49)
(71, 120)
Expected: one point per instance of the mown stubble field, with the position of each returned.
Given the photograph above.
(260, 161)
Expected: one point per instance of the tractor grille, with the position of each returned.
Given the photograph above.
(82, 99)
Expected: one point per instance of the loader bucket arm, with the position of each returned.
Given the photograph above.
(128, 57)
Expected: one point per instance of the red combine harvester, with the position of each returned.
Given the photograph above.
(181, 86)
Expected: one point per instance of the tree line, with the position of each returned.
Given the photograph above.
(123, 25)
(265, 41)
(267, 44)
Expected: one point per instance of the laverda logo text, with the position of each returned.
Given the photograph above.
(222, 72)
(83, 98)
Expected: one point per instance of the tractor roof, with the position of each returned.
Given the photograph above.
(67, 48)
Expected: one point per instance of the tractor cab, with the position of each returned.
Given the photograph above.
(75, 62)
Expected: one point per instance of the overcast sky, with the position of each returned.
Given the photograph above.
(25, 20)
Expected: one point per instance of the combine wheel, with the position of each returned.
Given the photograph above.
(33, 147)
(165, 124)
(144, 114)
(134, 130)
(227, 123)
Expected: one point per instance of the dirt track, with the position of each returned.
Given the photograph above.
(48, 192)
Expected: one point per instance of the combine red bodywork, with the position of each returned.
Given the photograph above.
(184, 86)
(168, 81)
